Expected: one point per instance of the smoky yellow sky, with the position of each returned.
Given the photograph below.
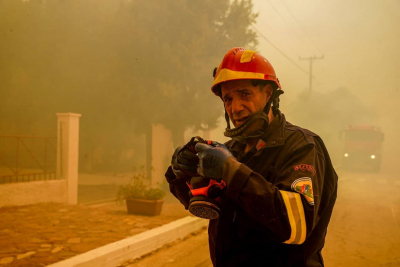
(359, 40)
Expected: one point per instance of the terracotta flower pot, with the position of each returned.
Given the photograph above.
(144, 207)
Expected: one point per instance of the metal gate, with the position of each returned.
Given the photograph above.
(25, 158)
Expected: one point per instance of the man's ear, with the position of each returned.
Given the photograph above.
(268, 90)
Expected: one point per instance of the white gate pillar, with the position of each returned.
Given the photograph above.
(162, 151)
(67, 153)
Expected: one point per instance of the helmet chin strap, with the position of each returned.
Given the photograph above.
(239, 133)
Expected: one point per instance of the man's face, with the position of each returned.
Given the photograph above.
(241, 99)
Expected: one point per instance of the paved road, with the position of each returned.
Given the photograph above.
(364, 229)
(365, 226)
(193, 251)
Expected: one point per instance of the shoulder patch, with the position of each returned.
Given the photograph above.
(303, 186)
(305, 167)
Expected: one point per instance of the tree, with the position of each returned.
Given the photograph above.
(174, 58)
(123, 64)
(184, 48)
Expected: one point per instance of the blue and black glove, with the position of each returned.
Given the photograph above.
(184, 163)
(212, 159)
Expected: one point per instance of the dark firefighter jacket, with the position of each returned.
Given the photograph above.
(277, 203)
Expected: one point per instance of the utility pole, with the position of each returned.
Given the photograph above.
(311, 59)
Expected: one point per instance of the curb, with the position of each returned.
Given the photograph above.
(116, 253)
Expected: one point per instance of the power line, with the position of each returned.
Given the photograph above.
(271, 29)
(311, 59)
(279, 14)
(280, 51)
(306, 34)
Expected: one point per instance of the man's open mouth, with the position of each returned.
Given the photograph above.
(241, 120)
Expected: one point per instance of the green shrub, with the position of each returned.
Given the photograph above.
(139, 187)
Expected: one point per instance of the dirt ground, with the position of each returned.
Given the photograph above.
(38, 235)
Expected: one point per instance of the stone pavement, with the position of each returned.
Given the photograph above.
(42, 234)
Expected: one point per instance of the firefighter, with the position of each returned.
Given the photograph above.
(281, 186)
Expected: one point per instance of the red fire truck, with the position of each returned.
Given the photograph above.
(362, 148)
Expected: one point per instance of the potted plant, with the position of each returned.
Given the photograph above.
(140, 196)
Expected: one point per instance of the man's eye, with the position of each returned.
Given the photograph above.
(227, 100)
(244, 94)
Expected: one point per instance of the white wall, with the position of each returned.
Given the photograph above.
(18, 194)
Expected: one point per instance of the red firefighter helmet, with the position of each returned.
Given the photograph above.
(239, 64)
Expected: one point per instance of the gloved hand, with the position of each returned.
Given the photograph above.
(212, 160)
(184, 163)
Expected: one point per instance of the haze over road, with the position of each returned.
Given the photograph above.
(364, 229)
